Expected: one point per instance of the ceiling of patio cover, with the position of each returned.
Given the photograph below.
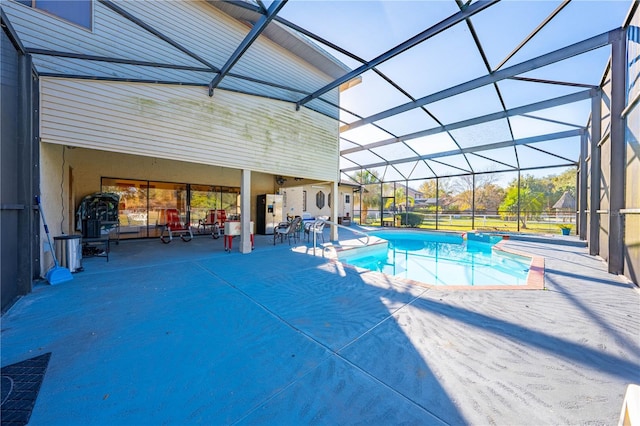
(429, 68)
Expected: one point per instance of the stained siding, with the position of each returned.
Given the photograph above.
(183, 123)
(97, 69)
(195, 25)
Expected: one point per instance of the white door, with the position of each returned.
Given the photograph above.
(346, 205)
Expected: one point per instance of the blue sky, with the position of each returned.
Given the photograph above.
(369, 28)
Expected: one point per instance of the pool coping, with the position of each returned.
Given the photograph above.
(535, 277)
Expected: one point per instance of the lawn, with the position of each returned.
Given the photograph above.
(485, 223)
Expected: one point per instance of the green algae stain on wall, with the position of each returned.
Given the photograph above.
(268, 139)
(246, 134)
(269, 135)
(207, 115)
(146, 106)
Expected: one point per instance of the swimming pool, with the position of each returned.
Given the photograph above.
(441, 259)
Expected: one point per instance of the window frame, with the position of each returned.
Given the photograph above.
(33, 4)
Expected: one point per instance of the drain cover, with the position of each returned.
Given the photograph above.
(20, 384)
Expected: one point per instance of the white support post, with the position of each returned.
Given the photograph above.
(335, 200)
(245, 207)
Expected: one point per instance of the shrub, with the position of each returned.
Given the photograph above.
(412, 220)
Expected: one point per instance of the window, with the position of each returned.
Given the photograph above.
(142, 203)
(320, 199)
(304, 200)
(75, 11)
(347, 199)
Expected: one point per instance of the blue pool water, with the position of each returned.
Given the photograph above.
(440, 259)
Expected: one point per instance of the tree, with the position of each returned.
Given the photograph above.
(204, 199)
(532, 198)
(463, 188)
(489, 197)
(428, 189)
(400, 199)
(565, 181)
(369, 195)
(464, 200)
(444, 187)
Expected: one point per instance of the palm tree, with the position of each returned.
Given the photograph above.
(400, 199)
(369, 192)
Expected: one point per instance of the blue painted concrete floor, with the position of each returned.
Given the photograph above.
(186, 333)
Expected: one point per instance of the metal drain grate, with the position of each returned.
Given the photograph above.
(20, 384)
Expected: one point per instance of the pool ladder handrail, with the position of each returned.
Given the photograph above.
(325, 221)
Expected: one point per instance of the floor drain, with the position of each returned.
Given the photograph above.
(20, 383)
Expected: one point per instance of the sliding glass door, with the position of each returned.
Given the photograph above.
(143, 203)
(133, 208)
(163, 196)
(203, 199)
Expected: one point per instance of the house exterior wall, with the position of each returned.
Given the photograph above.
(183, 123)
(197, 26)
(294, 200)
(85, 167)
(130, 120)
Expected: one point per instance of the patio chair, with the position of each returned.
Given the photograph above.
(288, 230)
(315, 227)
(173, 225)
(215, 219)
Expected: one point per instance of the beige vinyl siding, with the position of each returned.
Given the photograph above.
(215, 36)
(76, 66)
(112, 35)
(195, 25)
(183, 123)
(73, 67)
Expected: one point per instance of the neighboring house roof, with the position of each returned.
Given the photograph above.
(426, 201)
(566, 201)
(411, 192)
(347, 183)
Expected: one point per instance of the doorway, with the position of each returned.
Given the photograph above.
(142, 203)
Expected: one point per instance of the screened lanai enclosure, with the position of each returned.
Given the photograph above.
(488, 115)
(498, 116)
(479, 122)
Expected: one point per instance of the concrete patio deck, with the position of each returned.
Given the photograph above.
(185, 333)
